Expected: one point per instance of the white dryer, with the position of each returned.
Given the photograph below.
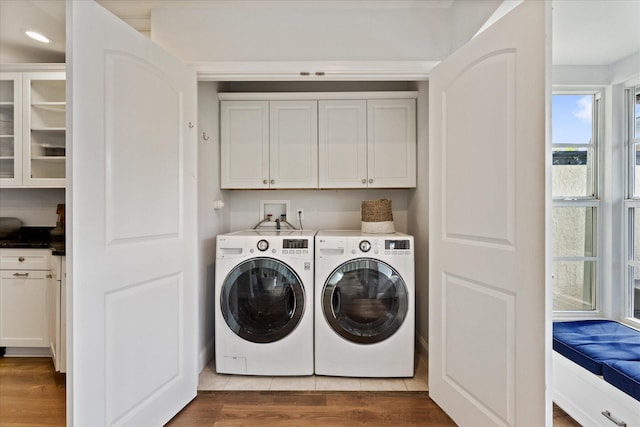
(264, 302)
(364, 304)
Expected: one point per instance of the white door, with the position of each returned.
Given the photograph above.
(293, 144)
(132, 205)
(487, 226)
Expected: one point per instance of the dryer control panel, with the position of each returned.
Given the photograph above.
(295, 244)
(397, 244)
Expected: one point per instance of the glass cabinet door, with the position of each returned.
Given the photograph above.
(44, 160)
(10, 129)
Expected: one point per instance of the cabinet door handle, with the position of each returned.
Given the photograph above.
(21, 259)
(264, 181)
(611, 418)
(273, 181)
(364, 181)
(20, 274)
(370, 181)
(49, 276)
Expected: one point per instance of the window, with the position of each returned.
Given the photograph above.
(633, 203)
(575, 184)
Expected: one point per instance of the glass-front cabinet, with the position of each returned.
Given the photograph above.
(10, 129)
(32, 129)
(44, 144)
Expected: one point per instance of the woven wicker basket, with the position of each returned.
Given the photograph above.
(377, 216)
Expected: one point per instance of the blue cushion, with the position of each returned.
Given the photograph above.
(591, 342)
(625, 375)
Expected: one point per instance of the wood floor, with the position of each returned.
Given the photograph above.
(312, 408)
(32, 394)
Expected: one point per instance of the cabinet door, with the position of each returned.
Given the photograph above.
(244, 148)
(391, 142)
(293, 144)
(55, 315)
(24, 308)
(54, 322)
(10, 129)
(44, 113)
(342, 143)
(62, 350)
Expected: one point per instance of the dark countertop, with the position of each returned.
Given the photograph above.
(34, 238)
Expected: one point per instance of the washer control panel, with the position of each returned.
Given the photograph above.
(295, 246)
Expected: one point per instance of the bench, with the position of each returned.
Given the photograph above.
(596, 372)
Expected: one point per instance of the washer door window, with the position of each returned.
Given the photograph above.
(262, 300)
(365, 300)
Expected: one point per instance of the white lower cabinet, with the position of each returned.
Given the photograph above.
(25, 308)
(32, 303)
(57, 318)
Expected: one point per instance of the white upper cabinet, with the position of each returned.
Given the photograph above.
(318, 140)
(10, 129)
(293, 144)
(32, 129)
(391, 143)
(244, 148)
(269, 144)
(44, 129)
(342, 143)
(367, 144)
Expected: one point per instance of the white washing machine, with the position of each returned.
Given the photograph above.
(264, 302)
(364, 304)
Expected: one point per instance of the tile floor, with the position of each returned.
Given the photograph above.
(210, 380)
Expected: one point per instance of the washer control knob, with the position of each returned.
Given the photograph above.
(365, 246)
(263, 245)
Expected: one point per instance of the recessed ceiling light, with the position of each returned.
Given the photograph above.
(37, 36)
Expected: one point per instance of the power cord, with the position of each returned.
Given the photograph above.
(300, 220)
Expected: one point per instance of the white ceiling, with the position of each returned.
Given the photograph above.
(595, 32)
(585, 32)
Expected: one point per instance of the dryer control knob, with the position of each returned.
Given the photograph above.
(263, 245)
(365, 246)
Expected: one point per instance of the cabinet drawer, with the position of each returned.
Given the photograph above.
(24, 259)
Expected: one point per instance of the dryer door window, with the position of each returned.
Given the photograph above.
(365, 300)
(262, 300)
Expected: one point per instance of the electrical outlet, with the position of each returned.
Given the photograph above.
(299, 214)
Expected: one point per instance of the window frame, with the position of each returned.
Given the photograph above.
(590, 201)
(631, 201)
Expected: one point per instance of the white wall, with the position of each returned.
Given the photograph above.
(210, 222)
(303, 31)
(591, 75)
(36, 207)
(323, 209)
(418, 218)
